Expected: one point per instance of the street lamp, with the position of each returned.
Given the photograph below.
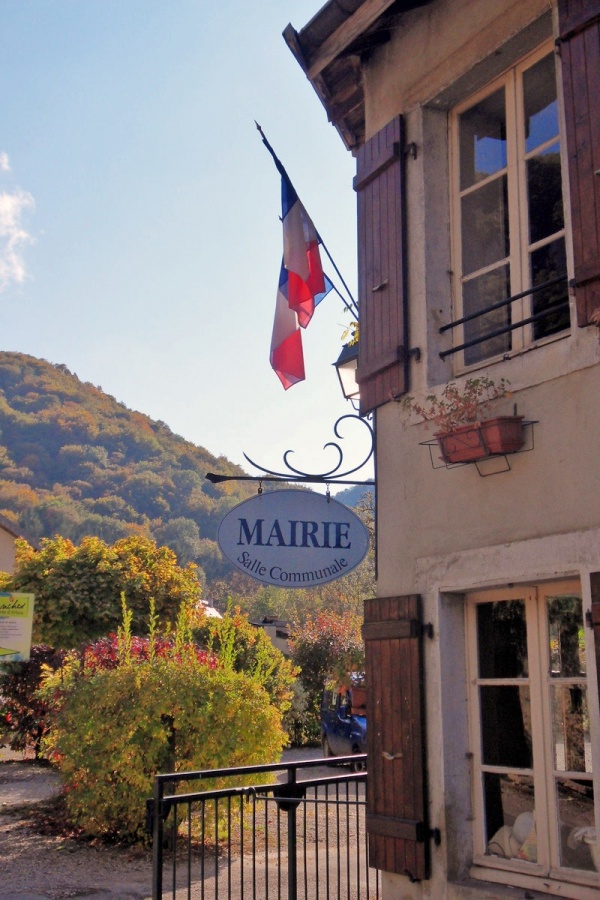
(346, 366)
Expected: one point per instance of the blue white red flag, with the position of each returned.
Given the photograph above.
(302, 286)
(306, 282)
(287, 357)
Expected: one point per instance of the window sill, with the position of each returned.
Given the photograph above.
(586, 887)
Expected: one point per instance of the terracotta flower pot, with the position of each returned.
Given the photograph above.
(503, 434)
(468, 443)
(464, 444)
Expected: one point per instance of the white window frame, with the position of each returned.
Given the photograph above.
(545, 874)
(519, 253)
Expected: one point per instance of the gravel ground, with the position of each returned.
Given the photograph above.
(36, 864)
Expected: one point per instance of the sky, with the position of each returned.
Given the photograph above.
(140, 241)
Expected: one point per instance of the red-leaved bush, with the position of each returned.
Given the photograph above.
(106, 653)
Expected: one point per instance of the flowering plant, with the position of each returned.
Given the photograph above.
(456, 406)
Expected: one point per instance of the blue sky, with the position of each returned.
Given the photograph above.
(140, 240)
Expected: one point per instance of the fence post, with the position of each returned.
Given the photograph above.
(157, 839)
(292, 845)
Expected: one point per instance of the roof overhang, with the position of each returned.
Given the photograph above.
(331, 49)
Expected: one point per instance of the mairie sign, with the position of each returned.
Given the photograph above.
(293, 539)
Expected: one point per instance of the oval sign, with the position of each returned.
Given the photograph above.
(293, 539)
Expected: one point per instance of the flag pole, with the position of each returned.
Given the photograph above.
(351, 306)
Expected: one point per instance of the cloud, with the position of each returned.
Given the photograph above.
(13, 236)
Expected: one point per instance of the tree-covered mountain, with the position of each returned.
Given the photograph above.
(74, 461)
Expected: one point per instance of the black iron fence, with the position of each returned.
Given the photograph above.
(287, 831)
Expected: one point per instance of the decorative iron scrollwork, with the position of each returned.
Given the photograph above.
(334, 475)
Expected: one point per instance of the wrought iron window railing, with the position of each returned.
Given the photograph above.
(505, 329)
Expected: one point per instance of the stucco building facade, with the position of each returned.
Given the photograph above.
(476, 129)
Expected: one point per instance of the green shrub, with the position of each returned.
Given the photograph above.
(247, 648)
(113, 729)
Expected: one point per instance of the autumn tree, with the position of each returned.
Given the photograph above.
(328, 645)
(78, 589)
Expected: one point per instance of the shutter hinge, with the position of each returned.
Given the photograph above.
(433, 834)
(411, 150)
(589, 619)
(427, 630)
(413, 353)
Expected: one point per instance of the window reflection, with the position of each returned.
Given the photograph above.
(485, 225)
(544, 193)
(479, 293)
(483, 139)
(571, 729)
(541, 112)
(566, 636)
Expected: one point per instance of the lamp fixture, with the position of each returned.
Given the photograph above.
(346, 366)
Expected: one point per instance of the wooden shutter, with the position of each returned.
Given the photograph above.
(397, 827)
(383, 345)
(579, 42)
(595, 586)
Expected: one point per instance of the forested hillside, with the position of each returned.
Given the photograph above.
(74, 461)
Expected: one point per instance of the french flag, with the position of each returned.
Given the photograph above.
(302, 285)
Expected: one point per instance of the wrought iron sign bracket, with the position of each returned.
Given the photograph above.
(337, 474)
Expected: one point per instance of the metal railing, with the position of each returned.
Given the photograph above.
(505, 329)
(293, 836)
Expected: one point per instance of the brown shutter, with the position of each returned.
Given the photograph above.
(579, 42)
(396, 787)
(383, 348)
(595, 586)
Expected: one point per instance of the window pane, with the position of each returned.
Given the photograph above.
(480, 293)
(578, 836)
(541, 114)
(506, 726)
(571, 729)
(544, 190)
(566, 636)
(502, 639)
(484, 220)
(546, 263)
(509, 816)
(483, 139)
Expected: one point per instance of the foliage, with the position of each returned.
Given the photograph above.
(173, 709)
(77, 589)
(324, 647)
(75, 462)
(456, 406)
(246, 648)
(23, 714)
(299, 721)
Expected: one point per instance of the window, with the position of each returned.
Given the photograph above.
(531, 735)
(508, 235)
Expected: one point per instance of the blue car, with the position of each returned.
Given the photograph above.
(343, 723)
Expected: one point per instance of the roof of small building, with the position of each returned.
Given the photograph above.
(11, 528)
(331, 48)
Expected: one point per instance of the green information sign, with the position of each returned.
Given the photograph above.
(16, 620)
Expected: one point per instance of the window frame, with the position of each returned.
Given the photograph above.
(513, 871)
(520, 250)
